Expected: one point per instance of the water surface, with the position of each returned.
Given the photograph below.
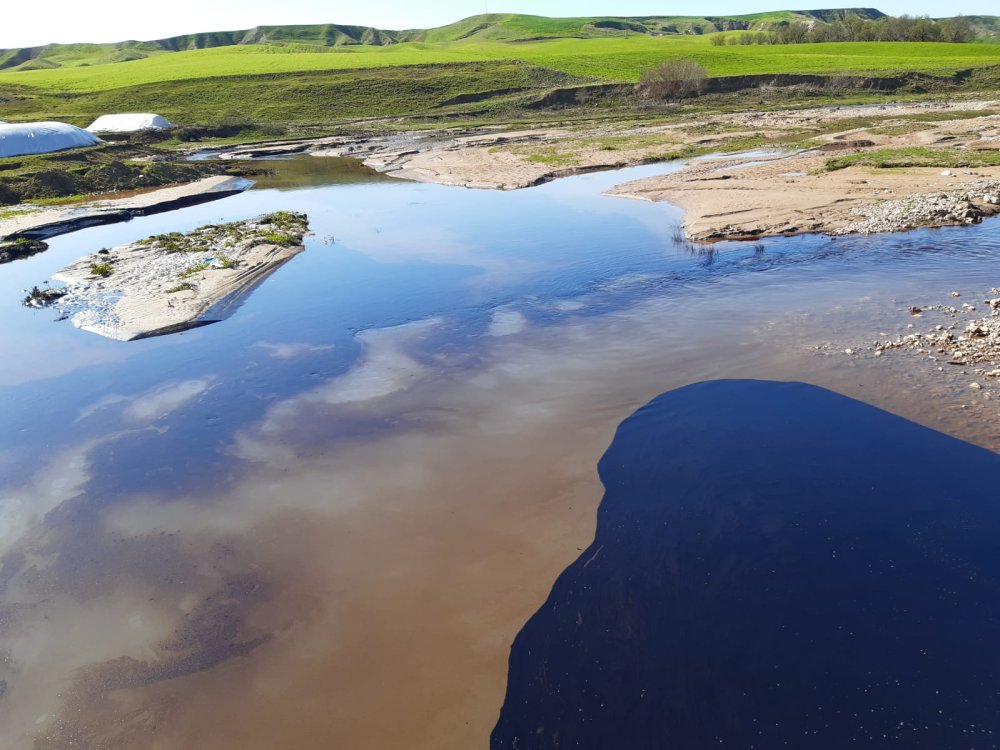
(342, 503)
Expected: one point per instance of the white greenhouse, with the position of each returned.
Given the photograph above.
(21, 139)
(129, 123)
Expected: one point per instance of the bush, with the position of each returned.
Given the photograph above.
(114, 175)
(228, 128)
(52, 183)
(676, 79)
(101, 269)
(8, 195)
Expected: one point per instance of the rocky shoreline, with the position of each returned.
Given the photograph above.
(963, 341)
(173, 282)
(967, 205)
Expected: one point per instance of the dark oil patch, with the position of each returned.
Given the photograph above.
(775, 565)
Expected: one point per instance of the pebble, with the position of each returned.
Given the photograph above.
(961, 205)
(979, 342)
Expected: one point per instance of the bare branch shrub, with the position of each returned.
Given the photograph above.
(675, 79)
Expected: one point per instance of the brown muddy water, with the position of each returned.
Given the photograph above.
(322, 522)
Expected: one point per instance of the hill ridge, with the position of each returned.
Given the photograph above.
(494, 27)
(498, 26)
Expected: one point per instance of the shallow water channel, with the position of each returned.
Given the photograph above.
(323, 521)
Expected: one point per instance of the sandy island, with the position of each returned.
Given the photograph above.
(174, 282)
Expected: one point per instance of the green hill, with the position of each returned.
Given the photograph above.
(325, 73)
(497, 27)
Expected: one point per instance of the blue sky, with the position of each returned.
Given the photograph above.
(27, 24)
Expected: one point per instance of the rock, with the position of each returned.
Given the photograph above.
(20, 248)
(43, 297)
(946, 173)
(846, 145)
(975, 386)
(976, 331)
(915, 310)
(956, 295)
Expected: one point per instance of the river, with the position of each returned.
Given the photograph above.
(323, 521)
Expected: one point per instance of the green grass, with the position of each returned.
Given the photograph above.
(553, 157)
(504, 27)
(284, 228)
(482, 69)
(101, 269)
(608, 59)
(916, 157)
(62, 177)
(903, 129)
(195, 269)
(306, 97)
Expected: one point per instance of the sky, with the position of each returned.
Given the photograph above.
(24, 24)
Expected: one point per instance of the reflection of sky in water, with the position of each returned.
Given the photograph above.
(385, 410)
(384, 253)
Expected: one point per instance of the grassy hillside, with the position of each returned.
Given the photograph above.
(505, 27)
(613, 59)
(297, 97)
(503, 62)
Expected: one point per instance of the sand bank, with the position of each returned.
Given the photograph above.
(741, 199)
